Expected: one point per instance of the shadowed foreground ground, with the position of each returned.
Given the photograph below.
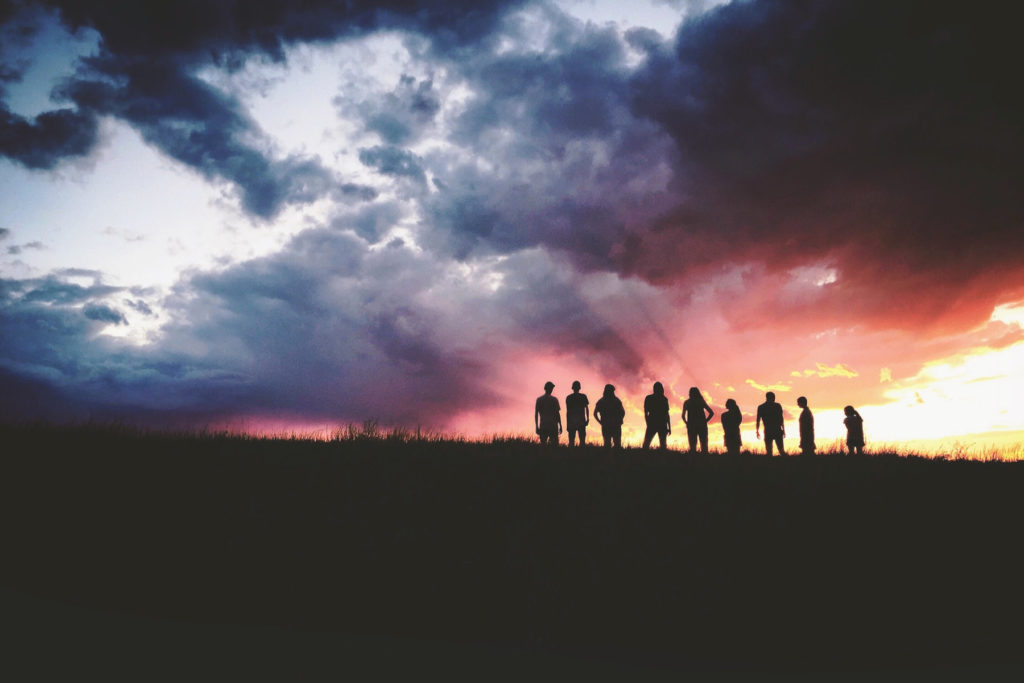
(497, 556)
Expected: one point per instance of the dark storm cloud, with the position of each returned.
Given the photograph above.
(44, 141)
(5, 233)
(145, 75)
(568, 164)
(197, 125)
(54, 290)
(401, 116)
(883, 138)
(393, 161)
(328, 328)
(104, 313)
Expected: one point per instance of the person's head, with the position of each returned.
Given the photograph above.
(850, 412)
(730, 404)
(609, 390)
(658, 389)
(802, 401)
(770, 397)
(694, 392)
(576, 385)
(548, 387)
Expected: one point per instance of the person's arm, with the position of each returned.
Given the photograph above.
(711, 413)
(597, 413)
(686, 405)
(782, 421)
(757, 423)
(586, 414)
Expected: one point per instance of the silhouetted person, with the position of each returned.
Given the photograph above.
(770, 413)
(696, 413)
(807, 446)
(609, 413)
(577, 414)
(548, 415)
(656, 414)
(731, 419)
(854, 431)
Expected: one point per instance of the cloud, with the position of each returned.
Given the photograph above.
(877, 140)
(401, 116)
(104, 313)
(769, 387)
(885, 375)
(47, 139)
(393, 161)
(838, 175)
(823, 371)
(140, 306)
(18, 248)
(145, 75)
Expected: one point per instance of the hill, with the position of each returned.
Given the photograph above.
(661, 558)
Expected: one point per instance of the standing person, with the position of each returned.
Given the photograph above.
(657, 417)
(696, 413)
(731, 419)
(547, 414)
(854, 431)
(609, 413)
(770, 413)
(577, 414)
(807, 446)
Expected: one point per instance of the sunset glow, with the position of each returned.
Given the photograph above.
(307, 217)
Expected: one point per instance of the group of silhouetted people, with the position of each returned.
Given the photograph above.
(610, 414)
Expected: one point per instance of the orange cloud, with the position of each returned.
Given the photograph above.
(769, 387)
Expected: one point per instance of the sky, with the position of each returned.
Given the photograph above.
(293, 216)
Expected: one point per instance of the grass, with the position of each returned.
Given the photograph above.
(834, 562)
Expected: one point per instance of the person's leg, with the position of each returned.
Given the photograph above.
(606, 432)
(617, 436)
(663, 438)
(703, 434)
(768, 445)
(583, 435)
(778, 442)
(648, 437)
(691, 436)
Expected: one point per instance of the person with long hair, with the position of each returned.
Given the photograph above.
(609, 413)
(854, 430)
(731, 419)
(657, 417)
(696, 413)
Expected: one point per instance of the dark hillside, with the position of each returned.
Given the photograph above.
(792, 563)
